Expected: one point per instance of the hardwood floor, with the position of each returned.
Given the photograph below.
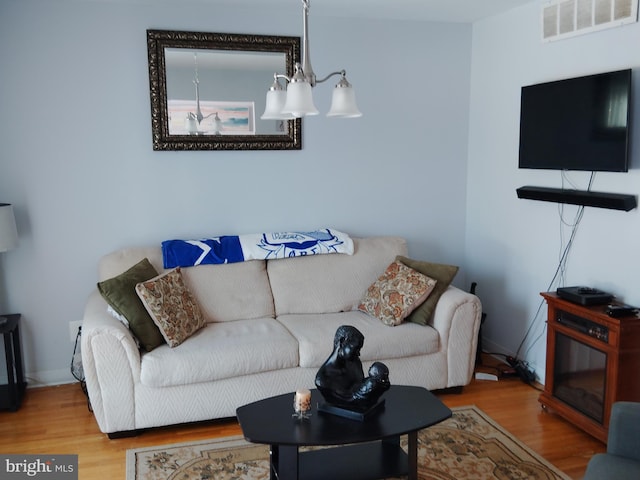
(55, 420)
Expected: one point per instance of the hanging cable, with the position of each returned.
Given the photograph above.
(562, 261)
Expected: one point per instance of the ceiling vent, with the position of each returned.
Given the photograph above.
(566, 18)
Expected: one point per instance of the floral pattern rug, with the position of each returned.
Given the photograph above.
(468, 446)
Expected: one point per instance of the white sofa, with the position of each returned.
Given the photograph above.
(270, 327)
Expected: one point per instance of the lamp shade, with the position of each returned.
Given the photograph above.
(8, 231)
(343, 103)
(217, 125)
(274, 105)
(190, 123)
(299, 100)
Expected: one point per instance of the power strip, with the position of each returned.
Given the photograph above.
(526, 374)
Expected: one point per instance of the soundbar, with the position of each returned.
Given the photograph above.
(614, 201)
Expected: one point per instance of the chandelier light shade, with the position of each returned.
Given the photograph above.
(217, 125)
(297, 100)
(8, 231)
(343, 102)
(276, 98)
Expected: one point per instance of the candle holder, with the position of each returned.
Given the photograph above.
(302, 404)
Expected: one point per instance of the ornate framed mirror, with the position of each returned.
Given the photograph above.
(208, 90)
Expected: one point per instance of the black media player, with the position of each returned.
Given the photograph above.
(584, 295)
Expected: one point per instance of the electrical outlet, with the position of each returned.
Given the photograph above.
(73, 329)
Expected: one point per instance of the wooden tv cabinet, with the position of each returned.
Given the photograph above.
(590, 333)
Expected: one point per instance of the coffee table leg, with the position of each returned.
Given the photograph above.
(394, 441)
(274, 458)
(284, 462)
(413, 455)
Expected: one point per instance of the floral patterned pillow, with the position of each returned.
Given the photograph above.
(171, 306)
(398, 291)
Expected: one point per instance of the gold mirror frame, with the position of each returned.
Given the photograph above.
(160, 40)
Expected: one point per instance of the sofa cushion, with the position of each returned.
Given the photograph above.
(224, 292)
(120, 292)
(234, 291)
(396, 293)
(331, 283)
(171, 306)
(221, 350)
(315, 333)
(442, 273)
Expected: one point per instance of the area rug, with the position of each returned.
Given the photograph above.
(468, 446)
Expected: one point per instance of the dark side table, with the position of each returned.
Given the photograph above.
(12, 392)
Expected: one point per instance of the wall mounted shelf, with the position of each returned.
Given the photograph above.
(614, 201)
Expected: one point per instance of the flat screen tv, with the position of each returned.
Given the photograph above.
(577, 124)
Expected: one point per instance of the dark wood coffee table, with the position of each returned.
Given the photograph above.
(362, 450)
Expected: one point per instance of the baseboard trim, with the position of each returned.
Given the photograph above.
(49, 378)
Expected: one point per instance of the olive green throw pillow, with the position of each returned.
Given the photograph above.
(444, 274)
(120, 293)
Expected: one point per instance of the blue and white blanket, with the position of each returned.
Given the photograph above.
(258, 246)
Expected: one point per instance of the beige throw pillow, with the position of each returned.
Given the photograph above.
(396, 293)
(171, 306)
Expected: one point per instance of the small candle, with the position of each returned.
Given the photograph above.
(302, 401)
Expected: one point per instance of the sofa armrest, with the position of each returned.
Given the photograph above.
(111, 363)
(457, 320)
(624, 430)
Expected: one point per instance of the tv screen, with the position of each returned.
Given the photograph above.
(577, 124)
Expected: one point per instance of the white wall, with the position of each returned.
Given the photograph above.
(513, 245)
(77, 163)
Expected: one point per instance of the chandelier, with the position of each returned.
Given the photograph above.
(193, 122)
(297, 99)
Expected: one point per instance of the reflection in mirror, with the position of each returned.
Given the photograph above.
(207, 91)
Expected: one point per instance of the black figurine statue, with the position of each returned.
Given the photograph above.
(341, 379)
(372, 387)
